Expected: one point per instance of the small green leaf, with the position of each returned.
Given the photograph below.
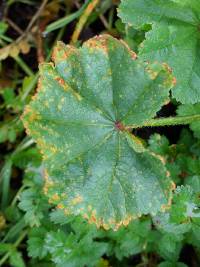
(34, 204)
(16, 259)
(130, 240)
(169, 247)
(3, 27)
(183, 212)
(185, 110)
(4, 247)
(159, 144)
(79, 119)
(36, 243)
(186, 205)
(67, 251)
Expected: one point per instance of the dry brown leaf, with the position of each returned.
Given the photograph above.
(24, 46)
(4, 52)
(51, 9)
(14, 50)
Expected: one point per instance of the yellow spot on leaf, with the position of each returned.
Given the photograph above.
(78, 97)
(78, 199)
(62, 83)
(48, 182)
(67, 212)
(55, 197)
(61, 52)
(89, 207)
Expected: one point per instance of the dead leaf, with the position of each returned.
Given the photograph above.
(4, 52)
(24, 46)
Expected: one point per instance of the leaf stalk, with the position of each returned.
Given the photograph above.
(170, 121)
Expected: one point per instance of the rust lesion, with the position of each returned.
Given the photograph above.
(60, 206)
(159, 157)
(62, 52)
(77, 206)
(172, 186)
(48, 183)
(131, 52)
(98, 42)
(104, 43)
(77, 200)
(62, 83)
(54, 198)
(90, 214)
(168, 205)
(67, 87)
(29, 115)
(113, 223)
(154, 70)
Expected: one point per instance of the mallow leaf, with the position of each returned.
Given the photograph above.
(79, 118)
(174, 39)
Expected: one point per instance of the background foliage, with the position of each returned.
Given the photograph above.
(32, 232)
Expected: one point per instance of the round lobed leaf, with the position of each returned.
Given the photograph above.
(79, 118)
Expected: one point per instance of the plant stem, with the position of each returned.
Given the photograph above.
(36, 16)
(60, 23)
(84, 17)
(30, 86)
(5, 178)
(24, 66)
(25, 143)
(15, 199)
(179, 120)
(15, 245)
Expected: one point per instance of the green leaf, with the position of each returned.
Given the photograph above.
(174, 39)
(25, 158)
(16, 259)
(8, 95)
(185, 205)
(194, 183)
(169, 247)
(183, 213)
(131, 240)
(66, 250)
(164, 224)
(159, 144)
(194, 236)
(185, 110)
(36, 243)
(3, 27)
(79, 119)
(172, 264)
(4, 247)
(34, 204)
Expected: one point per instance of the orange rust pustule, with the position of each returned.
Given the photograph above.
(60, 81)
(132, 53)
(99, 42)
(119, 126)
(62, 52)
